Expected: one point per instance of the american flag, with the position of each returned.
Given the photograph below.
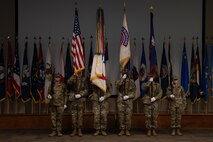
(77, 48)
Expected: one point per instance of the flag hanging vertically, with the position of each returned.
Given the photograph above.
(164, 72)
(34, 75)
(68, 68)
(206, 75)
(77, 48)
(211, 88)
(2, 75)
(98, 73)
(125, 53)
(60, 67)
(90, 67)
(16, 72)
(25, 84)
(170, 69)
(193, 93)
(107, 59)
(143, 70)
(41, 74)
(152, 51)
(197, 67)
(198, 72)
(135, 70)
(48, 71)
(90, 59)
(192, 70)
(184, 70)
(10, 89)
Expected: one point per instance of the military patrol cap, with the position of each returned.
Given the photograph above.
(58, 75)
(175, 78)
(150, 75)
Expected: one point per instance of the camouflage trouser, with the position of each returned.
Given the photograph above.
(151, 114)
(77, 114)
(100, 115)
(56, 113)
(125, 114)
(176, 116)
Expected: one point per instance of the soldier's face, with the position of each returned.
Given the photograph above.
(57, 79)
(175, 82)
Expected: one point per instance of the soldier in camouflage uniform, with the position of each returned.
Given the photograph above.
(153, 93)
(77, 98)
(56, 97)
(100, 108)
(126, 88)
(177, 104)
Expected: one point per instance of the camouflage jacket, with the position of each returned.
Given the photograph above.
(58, 93)
(125, 87)
(180, 98)
(97, 92)
(151, 90)
(79, 86)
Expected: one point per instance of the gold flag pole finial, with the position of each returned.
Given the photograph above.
(124, 6)
(39, 38)
(8, 37)
(151, 8)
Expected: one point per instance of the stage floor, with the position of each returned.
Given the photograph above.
(138, 135)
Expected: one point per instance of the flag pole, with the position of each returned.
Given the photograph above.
(136, 89)
(46, 105)
(39, 105)
(32, 106)
(206, 106)
(191, 107)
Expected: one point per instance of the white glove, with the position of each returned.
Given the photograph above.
(101, 99)
(125, 97)
(49, 96)
(77, 96)
(153, 99)
(172, 96)
(65, 106)
(151, 79)
(124, 76)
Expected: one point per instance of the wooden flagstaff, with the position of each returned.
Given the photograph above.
(191, 108)
(46, 104)
(206, 108)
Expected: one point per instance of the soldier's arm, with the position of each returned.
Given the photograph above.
(109, 90)
(184, 97)
(159, 92)
(132, 90)
(65, 95)
(71, 80)
(168, 92)
(84, 91)
(49, 91)
(118, 83)
(145, 86)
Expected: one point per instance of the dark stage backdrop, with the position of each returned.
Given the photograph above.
(175, 18)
